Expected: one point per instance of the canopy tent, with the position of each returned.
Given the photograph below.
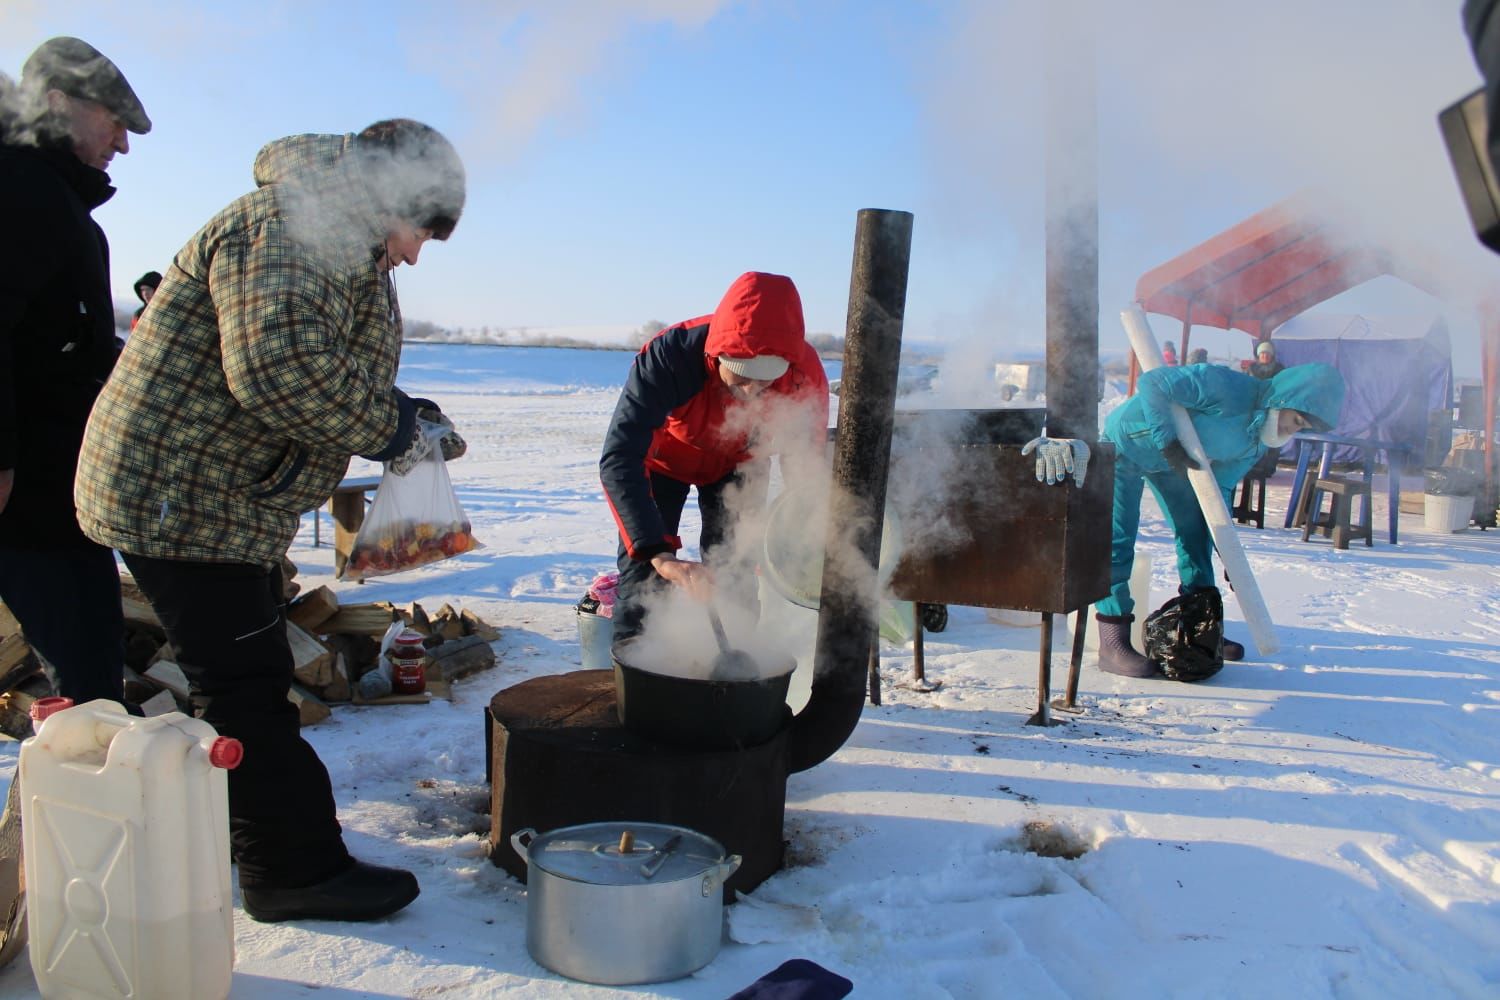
(1261, 272)
(1397, 369)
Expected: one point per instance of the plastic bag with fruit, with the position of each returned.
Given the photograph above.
(414, 519)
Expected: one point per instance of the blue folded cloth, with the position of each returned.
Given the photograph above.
(797, 979)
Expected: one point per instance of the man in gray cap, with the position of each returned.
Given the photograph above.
(59, 129)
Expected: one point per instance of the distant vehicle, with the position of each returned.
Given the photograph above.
(1025, 379)
(909, 379)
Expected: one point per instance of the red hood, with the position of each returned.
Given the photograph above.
(760, 314)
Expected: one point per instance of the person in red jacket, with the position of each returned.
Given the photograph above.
(706, 404)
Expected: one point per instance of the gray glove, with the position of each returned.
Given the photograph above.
(453, 446)
(1057, 457)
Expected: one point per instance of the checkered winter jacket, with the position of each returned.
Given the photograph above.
(268, 358)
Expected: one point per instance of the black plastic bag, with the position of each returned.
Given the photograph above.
(1185, 636)
(934, 617)
(1452, 481)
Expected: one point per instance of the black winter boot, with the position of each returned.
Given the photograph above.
(1116, 655)
(360, 892)
(1231, 650)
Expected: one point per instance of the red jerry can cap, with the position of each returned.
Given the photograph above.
(43, 707)
(226, 752)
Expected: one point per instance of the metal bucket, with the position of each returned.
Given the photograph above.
(595, 632)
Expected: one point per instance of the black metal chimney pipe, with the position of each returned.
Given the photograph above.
(861, 458)
(1072, 205)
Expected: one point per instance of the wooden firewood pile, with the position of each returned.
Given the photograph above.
(333, 645)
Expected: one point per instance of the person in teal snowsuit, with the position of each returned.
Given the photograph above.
(1237, 418)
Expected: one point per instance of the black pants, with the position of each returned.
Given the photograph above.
(639, 581)
(226, 623)
(67, 601)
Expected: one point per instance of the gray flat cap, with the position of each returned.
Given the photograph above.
(76, 68)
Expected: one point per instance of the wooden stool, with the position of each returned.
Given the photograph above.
(348, 506)
(1255, 479)
(1343, 492)
(1244, 512)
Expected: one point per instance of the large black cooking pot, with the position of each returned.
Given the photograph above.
(702, 714)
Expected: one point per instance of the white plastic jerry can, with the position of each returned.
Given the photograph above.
(125, 834)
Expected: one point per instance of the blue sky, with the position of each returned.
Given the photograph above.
(628, 158)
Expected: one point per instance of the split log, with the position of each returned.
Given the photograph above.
(142, 647)
(17, 661)
(339, 688)
(459, 658)
(474, 625)
(310, 708)
(417, 618)
(359, 653)
(359, 619)
(447, 624)
(139, 614)
(312, 662)
(169, 675)
(8, 623)
(424, 698)
(128, 588)
(160, 703)
(15, 707)
(313, 609)
(163, 652)
(137, 688)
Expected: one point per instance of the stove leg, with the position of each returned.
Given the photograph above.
(874, 670)
(918, 659)
(919, 681)
(1043, 715)
(1069, 702)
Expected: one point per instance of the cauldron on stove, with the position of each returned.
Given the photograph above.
(699, 713)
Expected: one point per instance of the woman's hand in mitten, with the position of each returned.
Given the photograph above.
(419, 448)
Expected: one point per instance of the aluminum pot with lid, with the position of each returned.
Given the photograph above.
(623, 903)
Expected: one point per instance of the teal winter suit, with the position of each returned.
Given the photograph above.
(1228, 410)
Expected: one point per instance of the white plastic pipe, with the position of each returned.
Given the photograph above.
(1210, 496)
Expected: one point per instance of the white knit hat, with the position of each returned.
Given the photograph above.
(762, 367)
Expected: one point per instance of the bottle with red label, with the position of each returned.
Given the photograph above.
(408, 663)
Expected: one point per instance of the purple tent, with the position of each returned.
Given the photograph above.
(1398, 370)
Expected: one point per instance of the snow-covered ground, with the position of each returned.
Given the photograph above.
(1319, 823)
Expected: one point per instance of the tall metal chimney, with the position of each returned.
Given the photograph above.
(1072, 205)
(861, 459)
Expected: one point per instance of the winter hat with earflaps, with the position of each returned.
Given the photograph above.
(412, 173)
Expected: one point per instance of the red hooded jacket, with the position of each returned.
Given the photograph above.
(674, 416)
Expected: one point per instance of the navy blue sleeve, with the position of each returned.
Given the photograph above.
(406, 426)
(668, 373)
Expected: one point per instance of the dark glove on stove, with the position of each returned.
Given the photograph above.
(453, 446)
(1178, 458)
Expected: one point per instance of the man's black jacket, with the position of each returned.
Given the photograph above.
(57, 333)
